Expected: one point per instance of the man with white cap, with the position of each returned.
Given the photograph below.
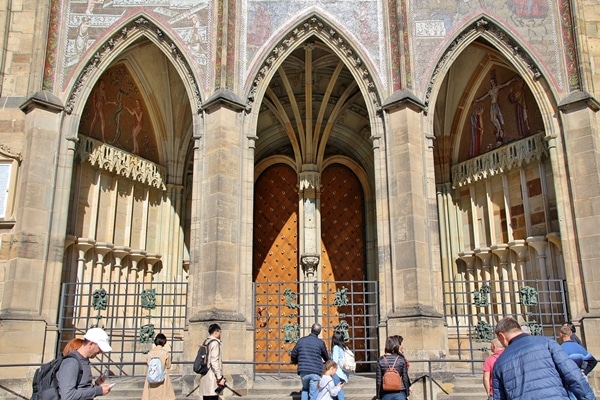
(75, 372)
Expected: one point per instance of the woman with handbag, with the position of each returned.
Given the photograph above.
(392, 381)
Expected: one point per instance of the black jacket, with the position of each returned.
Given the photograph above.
(382, 366)
(310, 353)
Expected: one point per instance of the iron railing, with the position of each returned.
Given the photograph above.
(131, 313)
(284, 311)
(472, 309)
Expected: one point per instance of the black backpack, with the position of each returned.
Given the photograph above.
(45, 382)
(201, 362)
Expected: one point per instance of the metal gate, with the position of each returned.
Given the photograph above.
(131, 313)
(472, 308)
(285, 311)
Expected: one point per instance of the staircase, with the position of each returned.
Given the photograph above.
(287, 387)
(266, 387)
(464, 387)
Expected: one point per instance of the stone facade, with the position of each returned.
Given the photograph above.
(133, 133)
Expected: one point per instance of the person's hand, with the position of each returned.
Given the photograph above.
(221, 382)
(106, 388)
(100, 380)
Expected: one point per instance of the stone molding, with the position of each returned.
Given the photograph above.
(9, 153)
(330, 36)
(120, 162)
(501, 160)
(477, 28)
(113, 44)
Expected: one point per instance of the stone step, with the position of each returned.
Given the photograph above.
(273, 387)
(464, 387)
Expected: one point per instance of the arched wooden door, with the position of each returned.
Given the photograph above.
(275, 267)
(342, 265)
(339, 299)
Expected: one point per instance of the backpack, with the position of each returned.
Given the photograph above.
(348, 362)
(392, 381)
(45, 382)
(156, 372)
(201, 361)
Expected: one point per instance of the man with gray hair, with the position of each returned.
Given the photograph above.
(309, 354)
(534, 368)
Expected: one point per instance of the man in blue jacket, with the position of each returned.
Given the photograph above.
(309, 354)
(534, 368)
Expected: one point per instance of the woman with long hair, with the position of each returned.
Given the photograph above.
(338, 345)
(393, 358)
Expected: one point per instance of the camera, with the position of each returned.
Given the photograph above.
(219, 389)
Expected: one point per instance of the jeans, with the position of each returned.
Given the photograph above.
(336, 380)
(401, 395)
(309, 386)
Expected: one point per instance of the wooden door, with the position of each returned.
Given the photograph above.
(275, 267)
(343, 259)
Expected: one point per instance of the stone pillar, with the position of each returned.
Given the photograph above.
(31, 274)
(468, 258)
(215, 273)
(580, 240)
(502, 286)
(310, 242)
(414, 285)
(485, 255)
(517, 272)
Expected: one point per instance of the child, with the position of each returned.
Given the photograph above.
(327, 389)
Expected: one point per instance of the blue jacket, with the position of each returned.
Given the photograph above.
(537, 368)
(310, 353)
(576, 352)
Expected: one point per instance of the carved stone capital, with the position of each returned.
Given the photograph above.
(310, 263)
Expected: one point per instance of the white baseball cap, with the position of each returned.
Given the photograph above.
(98, 336)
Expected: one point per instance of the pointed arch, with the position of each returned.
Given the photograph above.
(308, 26)
(108, 50)
(504, 41)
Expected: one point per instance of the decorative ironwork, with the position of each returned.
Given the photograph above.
(341, 299)
(484, 332)
(343, 327)
(481, 296)
(536, 329)
(148, 299)
(528, 296)
(291, 333)
(147, 333)
(99, 301)
(290, 299)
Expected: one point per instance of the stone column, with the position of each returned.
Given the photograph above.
(517, 272)
(502, 286)
(415, 280)
(101, 274)
(33, 268)
(485, 255)
(215, 274)
(309, 243)
(558, 266)
(539, 244)
(580, 132)
(468, 258)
